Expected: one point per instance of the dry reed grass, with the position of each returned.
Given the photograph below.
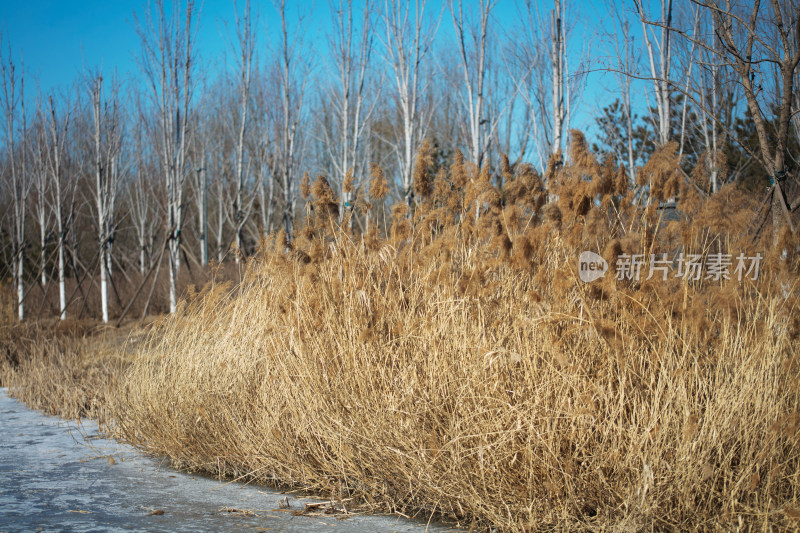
(459, 366)
(66, 368)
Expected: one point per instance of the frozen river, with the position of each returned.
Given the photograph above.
(56, 475)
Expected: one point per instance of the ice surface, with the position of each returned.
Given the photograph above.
(56, 475)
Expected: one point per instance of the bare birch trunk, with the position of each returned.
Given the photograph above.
(203, 214)
(168, 64)
(557, 59)
(107, 144)
(95, 91)
(406, 46)
(660, 71)
(481, 121)
(19, 186)
(62, 293)
(246, 38)
(58, 134)
(292, 86)
(43, 257)
(220, 222)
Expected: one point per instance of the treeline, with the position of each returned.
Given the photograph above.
(183, 165)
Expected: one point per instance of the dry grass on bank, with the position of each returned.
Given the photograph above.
(66, 368)
(459, 366)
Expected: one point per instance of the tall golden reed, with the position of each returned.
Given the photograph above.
(458, 365)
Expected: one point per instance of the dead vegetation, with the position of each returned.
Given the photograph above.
(66, 368)
(459, 366)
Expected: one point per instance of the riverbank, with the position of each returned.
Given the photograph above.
(495, 410)
(362, 376)
(462, 365)
(67, 368)
(499, 412)
(64, 476)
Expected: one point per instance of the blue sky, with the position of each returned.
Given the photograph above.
(59, 39)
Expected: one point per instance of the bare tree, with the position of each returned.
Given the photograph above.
(741, 48)
(625, 54)
(19, 182)
(214, 155)
(715, 92)
(407, 43)
(143, 215)
(293, 75)
(343, 136)
(629, 59)
(199, 183)
(557, 59)
(549, 87)
(219, 184)
(246, 47)
(41, 189)
(168, 63)
(762, 46)
(267, 160)
(474, 69)
(141, 194)
(107, 137)
(744, 40)
(660, 63)
(58, 129)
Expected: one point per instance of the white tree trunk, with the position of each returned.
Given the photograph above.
(104, 288)
(406, 45)
(62, 292)
(42, 244)
(204, 218)
(262, 200)
(292, 89)
(20, 270)
(142, 254)
(19, 187)
(660, 72)
(106, 178)
(246, 45)
(58, 134)
(557, 59)
(173, 273)
(220, 222)
(481, 122)
(168, 63)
